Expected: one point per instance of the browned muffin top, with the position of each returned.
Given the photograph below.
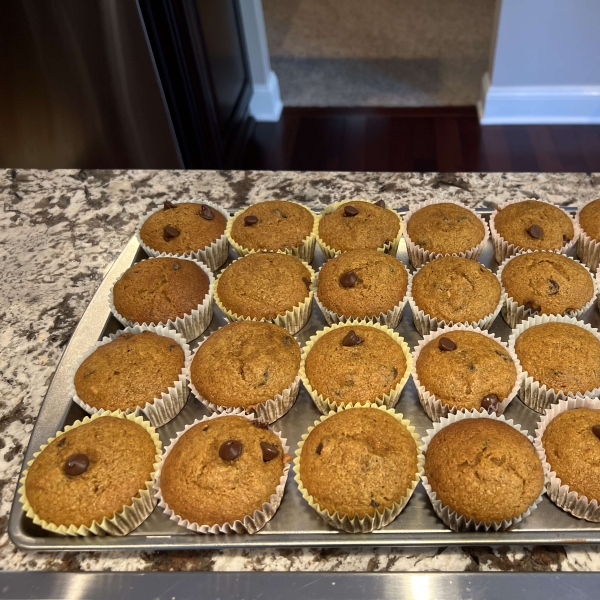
(221, 470)
(245, 363)
(358, 462)
(130, 371)
(484, 469)
(159, 289)
(561, 356)
(120, 455)
(186, 227)
(589, 219)
(359, 224)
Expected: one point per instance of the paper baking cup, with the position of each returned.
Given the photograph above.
(561, 494)
(325, 405)
(191, 325)
(513, 313)
(502, 249)
(305, 251)
(122, 522)
(213, 255)
(419, 256)
(432, 405)
(160, 410)
(539, 397)
(329, 252)
(251, 523)
(292, 321)
(588, 249)
(381, 518)
(425, 323)
(451, 518)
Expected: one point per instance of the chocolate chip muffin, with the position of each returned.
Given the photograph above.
(221, 470)
(129, 372)
(589, 219)
(484, 469)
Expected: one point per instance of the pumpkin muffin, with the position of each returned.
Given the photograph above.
(484, 469)
(130, 371)
(589, 220)
(221, 470)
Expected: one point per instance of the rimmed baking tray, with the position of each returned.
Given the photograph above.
(295, 524)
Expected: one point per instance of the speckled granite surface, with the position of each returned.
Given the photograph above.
(59, 233)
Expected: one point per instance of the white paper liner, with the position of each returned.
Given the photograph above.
(328, 252)
(381, 518)
(191, 325)
(213, 255)
(513, 313)
(539, 397)
(588, 249)
(432, 405)
(160, 410)
(122, 522)
(561, 494)
(451, 518)
(419, 256)
(251, 523)
(305, 251)
(502, 249)
(389, 400)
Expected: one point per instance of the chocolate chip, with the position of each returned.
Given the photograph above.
(168, 205)
(170, 232)
(250, 220)
(553, 288)
(206, 212)
(570, 311)
(319, 448)
(374, 504)
(205, 428)
(350, 211)
(260, 424)
(306, 282)
(489, 401)
(566, 238)
(352, 339)
(230, 450)
(446, 344)
(535, 231)
(269, 451)
(534, 307)
(380, 203)
(176, 266)
(596, 430)
(61, 443)
(76, 464)
(348, 279)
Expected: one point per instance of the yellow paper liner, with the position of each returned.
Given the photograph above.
(588, 249)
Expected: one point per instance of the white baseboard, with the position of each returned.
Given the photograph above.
(265, 104)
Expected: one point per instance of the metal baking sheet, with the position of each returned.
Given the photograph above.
(295, 524)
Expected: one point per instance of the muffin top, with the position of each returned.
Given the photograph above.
(547, 283)
(477, 373)
(573, 450)
(561, 356)
(182, 228)
(359, 224)
(273, 225)
(264, 285)
(456, 289)
(355, 368)
(445, 228)
(358, 461)
(245, 363)
(221, 470)
(120, 457)
(362, 283)
(159, 289)
(484, 469)
(589, 219)
(130, 371)
(534, 225)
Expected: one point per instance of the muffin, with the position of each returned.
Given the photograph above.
(250, 365)
(356, 224)
(451, 290)
(481, 473)
(222, 470)
(363, 284)
(358, 468)
(588, 243)
(267, 287)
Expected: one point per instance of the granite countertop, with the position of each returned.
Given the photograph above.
(59, 233)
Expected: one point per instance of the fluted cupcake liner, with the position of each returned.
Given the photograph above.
(419, 256)
(328, 252)
(533, 394)
(502, 249)
(122, 522)
(389, 400)
(214, 255)
(588, 249)
(160, 410)
(250, 523)
(513, 313)
(305, 251)
(192, 324)
(561, 494)
(452, 518)
(433, 406)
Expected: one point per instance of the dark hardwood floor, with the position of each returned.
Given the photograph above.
(416, 139)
